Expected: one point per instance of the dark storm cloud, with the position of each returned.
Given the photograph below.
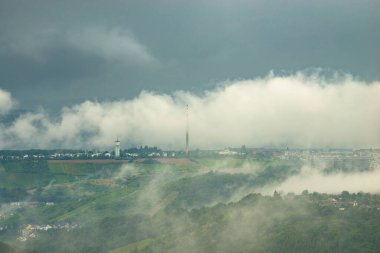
(50, 61)
(58, 51)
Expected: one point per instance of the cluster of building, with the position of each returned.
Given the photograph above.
(118, 153)
(361, 158)
(330, 155)
(31, 231)
(343, 205)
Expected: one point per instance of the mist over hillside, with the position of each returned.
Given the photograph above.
(204, 205)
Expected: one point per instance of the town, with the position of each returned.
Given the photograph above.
(363, 158)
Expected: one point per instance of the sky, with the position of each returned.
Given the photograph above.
(302, 73)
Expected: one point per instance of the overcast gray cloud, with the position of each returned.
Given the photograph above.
(297, 110)
(114, 45)
(54, 53)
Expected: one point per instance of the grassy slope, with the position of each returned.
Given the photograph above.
(124, 200)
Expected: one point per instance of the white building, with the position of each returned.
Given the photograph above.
(117, 148)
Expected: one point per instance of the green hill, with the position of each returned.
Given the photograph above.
(200, 206)
(5, 248)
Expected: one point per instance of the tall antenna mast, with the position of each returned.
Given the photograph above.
(187, 130)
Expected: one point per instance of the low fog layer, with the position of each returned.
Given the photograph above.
(296, 110)
(316, 181)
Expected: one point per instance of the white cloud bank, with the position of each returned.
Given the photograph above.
(294, 110)
(6, 102)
